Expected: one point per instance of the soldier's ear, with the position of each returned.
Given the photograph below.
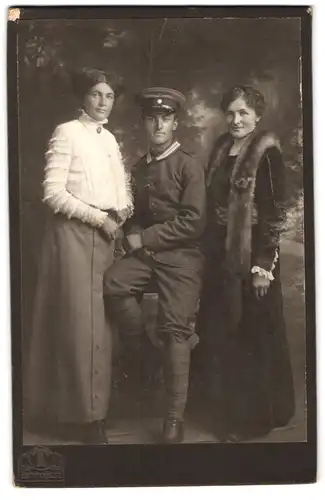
(175, 124)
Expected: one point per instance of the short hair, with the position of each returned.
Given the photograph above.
(83, 79)
(253, 98)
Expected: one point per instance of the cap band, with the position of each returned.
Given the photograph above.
(160, 98)
(160, 103)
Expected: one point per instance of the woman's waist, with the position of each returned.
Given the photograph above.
(98, 198)
(103, 191)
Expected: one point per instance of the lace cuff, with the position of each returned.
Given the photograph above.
(262, 272)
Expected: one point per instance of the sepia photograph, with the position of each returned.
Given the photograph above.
(164, 205)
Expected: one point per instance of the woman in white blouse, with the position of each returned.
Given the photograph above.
(87, 189)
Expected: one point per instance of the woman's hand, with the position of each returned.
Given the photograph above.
(261, 285)
(109, 228)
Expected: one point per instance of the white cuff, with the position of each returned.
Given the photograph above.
(262, 272)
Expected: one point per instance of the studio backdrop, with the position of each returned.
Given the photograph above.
(199, 57)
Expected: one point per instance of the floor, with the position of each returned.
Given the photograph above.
(144, 429)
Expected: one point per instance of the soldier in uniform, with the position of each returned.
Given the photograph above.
(163, 245)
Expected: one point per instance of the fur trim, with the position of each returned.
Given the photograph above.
(218, 155)
(243, 180)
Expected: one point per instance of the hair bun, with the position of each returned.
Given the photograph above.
(83, 79)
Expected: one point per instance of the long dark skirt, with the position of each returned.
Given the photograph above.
(242, 382)
(68, 366)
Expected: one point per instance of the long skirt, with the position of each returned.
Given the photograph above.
(242, 382)
(68, 368)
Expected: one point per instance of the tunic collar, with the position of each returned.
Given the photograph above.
(172, 148)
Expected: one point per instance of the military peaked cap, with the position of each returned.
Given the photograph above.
(161, 99)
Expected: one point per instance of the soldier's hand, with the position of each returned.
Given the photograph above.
(134, 242)
(123, 215)
(261, 285)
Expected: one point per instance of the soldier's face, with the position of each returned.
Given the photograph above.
(241, 118)
(160, 127)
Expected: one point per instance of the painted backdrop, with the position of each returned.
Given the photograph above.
(201, 58)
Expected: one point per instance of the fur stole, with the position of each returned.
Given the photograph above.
(243, 180)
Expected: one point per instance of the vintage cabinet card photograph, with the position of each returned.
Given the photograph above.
(162, 258)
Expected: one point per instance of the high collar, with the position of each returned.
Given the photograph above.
(171, 149)
(90, 122)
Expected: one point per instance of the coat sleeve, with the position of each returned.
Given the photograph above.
(270, 203)
(189, 222)
(56, 195)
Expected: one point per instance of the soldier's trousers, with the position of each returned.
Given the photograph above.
(178, 290)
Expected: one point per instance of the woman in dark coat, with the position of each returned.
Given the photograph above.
(87, 190)
(243, 361)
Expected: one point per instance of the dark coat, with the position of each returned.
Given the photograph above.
(242, 363)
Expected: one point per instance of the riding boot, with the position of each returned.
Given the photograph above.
(127, 314)
(131, 360)
(176, 376)
(140, 361)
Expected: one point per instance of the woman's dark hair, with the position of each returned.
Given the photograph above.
(253, 98)
(83, 79)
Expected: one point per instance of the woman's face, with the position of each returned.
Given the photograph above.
(241, 118)
(99, 101)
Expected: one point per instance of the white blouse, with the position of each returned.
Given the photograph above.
(84, 173)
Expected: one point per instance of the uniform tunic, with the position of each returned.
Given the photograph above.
(170, 213)
(69, 363)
